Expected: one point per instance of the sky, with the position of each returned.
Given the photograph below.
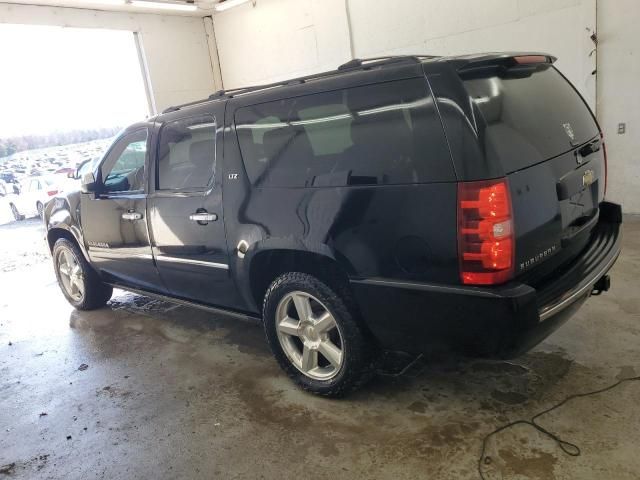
(55, 78)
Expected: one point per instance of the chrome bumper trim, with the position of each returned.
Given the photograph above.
(584, 287)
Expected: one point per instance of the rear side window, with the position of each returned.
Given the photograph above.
(529, 116)
(186, 154)
(381, 134)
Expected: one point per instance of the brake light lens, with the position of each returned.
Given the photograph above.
(528, 59)
(486, 244)
(606, 167)
(51, 193)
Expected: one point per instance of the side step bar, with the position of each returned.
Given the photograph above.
(186, 303)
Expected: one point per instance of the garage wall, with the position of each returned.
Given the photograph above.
(280, 39)
(459, 26)
(262, 43)
(618, 97)
(177, 54)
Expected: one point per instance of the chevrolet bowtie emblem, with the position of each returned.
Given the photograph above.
(587, 178)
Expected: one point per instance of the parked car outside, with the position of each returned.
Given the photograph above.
(34, 194)
(403, 204)
(8, 177)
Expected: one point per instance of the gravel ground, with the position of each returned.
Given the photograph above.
(5, 212)
(22, 245)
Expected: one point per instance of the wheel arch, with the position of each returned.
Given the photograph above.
(267, 265)
(56, 233)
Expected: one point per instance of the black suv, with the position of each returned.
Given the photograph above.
(395, 204)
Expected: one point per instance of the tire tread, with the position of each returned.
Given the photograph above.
(358, 369)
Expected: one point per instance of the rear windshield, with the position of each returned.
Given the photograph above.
(381, 134)
(526, 118)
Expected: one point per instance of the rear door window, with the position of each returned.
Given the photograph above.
(381, 134)
(186, 154)
(530, 116)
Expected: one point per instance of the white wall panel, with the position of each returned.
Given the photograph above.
(380, 26)
(454, 27)
(280, 39)
(618, 97)
(176, 49)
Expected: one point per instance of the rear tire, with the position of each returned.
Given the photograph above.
(40, 210)
(323, 350)
(78, 281)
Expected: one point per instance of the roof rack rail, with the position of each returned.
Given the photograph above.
(377, 61)
(175, 108)
(226, 93)
(356, 63)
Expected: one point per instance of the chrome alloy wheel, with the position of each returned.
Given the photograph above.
(71, 275)
(309, 336)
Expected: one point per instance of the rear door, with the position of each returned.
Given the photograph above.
(534, 124)
(185, 210)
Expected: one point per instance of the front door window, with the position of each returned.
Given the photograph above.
(123, 169)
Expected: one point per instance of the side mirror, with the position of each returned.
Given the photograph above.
(88, 184)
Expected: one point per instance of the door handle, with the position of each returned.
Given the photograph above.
(203, 217)
(132, 216)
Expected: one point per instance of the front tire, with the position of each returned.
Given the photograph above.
(40, 210)
(79, 282)
(314, 335)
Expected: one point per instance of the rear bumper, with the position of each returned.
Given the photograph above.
(505, 320)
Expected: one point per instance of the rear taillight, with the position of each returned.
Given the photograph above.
(486, 242)
(51, 193)
(606, 167)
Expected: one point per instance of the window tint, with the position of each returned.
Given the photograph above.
(528, 118)
(123, 169)
(186, 154)
(380, 134)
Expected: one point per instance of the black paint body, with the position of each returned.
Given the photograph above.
(396, 245)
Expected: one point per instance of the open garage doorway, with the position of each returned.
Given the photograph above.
(64, 94)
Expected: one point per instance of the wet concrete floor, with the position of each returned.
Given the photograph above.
(173, 392)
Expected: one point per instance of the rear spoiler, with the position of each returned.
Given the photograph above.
(474, 63)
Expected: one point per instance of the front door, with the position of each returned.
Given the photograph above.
(185, 212)
(113, 218)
